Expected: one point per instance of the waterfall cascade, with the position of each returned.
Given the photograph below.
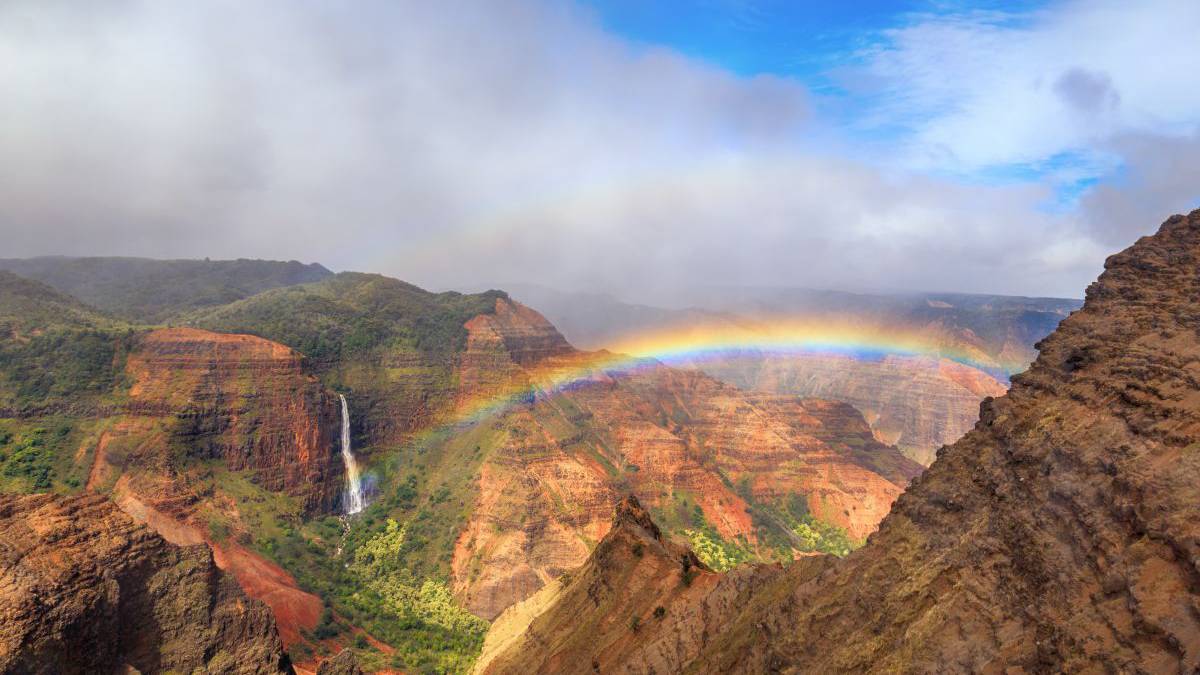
(354, 496)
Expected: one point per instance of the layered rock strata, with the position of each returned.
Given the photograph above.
(916, 403)
(240, 399)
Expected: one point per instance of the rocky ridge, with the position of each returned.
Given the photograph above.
(1061, 534)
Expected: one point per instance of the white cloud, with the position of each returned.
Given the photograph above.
(983, 89)
(488, 142)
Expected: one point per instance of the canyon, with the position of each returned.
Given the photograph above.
(491, 452)
(1059, 535)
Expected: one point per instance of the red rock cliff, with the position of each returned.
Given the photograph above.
(240, 399)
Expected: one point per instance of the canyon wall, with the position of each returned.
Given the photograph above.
(239, 399)
(245, 401)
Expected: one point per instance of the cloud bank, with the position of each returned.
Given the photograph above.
(517, 141)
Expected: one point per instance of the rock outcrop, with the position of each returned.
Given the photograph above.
(83, 589)
(342, 664)
(635, 585)
(527, 336)
(1061, 534)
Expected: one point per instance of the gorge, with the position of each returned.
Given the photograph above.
(599, 337)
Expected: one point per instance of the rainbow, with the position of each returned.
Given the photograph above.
(694, 344)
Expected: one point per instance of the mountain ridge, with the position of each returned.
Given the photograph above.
(150, 290)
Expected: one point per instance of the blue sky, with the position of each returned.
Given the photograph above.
(820, 44)
(792, 39)
(614, 146)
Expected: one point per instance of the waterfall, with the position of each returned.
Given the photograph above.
(354, 496)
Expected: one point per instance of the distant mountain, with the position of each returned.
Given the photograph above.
(27, 305)
(152, 291)
(1001, 328)
(55, 352)
(598, 321)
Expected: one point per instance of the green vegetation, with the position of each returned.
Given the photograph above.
(352, 314)
(683, 516)
(788, 526)
(714, 551)
(55, 352)
(153, 291)
(822, 537)
(379, 565)
(65, 368)
(813, 534)
(387, 572)
(38, 455)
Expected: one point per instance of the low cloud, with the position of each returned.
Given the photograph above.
(1086, 91)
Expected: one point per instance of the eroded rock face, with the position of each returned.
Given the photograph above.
(527, 336)
(1061, 534)
(238, 398)
(916, 403)
(83, 589)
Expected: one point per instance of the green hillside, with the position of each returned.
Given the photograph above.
(152, 291)
(351, 314)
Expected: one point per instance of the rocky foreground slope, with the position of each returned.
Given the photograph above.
(83, 589)
(1061, 534)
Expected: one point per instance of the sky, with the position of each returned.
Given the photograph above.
(605, 145)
